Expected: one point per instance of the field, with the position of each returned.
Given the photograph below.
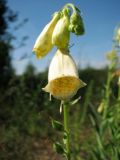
(26, 130)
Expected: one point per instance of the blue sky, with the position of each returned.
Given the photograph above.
(100, 18)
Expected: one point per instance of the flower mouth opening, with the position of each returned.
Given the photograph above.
(64, 87)
(39, 53)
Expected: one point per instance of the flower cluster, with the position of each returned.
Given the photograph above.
(63, 79)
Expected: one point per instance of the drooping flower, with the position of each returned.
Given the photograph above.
(43, 43)
(63, 79)
(61, 34)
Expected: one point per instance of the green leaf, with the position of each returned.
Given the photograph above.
(57, 125)
(104, 126)
(58, 148)
(72, 103)
(65, 137)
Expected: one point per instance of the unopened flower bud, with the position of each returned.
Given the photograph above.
(43, 43)
(118, 33)
(76, 24)
(101, 107)
(117, 38)
(112, 55)
(61, 34)
(63, 79)
(117, 73)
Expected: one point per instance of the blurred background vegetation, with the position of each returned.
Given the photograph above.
(25, 110)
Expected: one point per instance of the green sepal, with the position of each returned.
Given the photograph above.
(58, 148)
(57, 125)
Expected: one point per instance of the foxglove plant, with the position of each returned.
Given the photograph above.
(106, 121)
(63, 79)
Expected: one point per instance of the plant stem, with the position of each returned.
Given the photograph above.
(107, 94)
(72, 6)
(65, 110)
(119, 89)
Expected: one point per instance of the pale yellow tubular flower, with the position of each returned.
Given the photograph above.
(63, 79)
(43, 43)
(61, 34)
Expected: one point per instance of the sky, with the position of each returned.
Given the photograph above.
(100, 19)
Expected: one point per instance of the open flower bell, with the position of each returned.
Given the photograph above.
(63, 79)
(43, 43)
